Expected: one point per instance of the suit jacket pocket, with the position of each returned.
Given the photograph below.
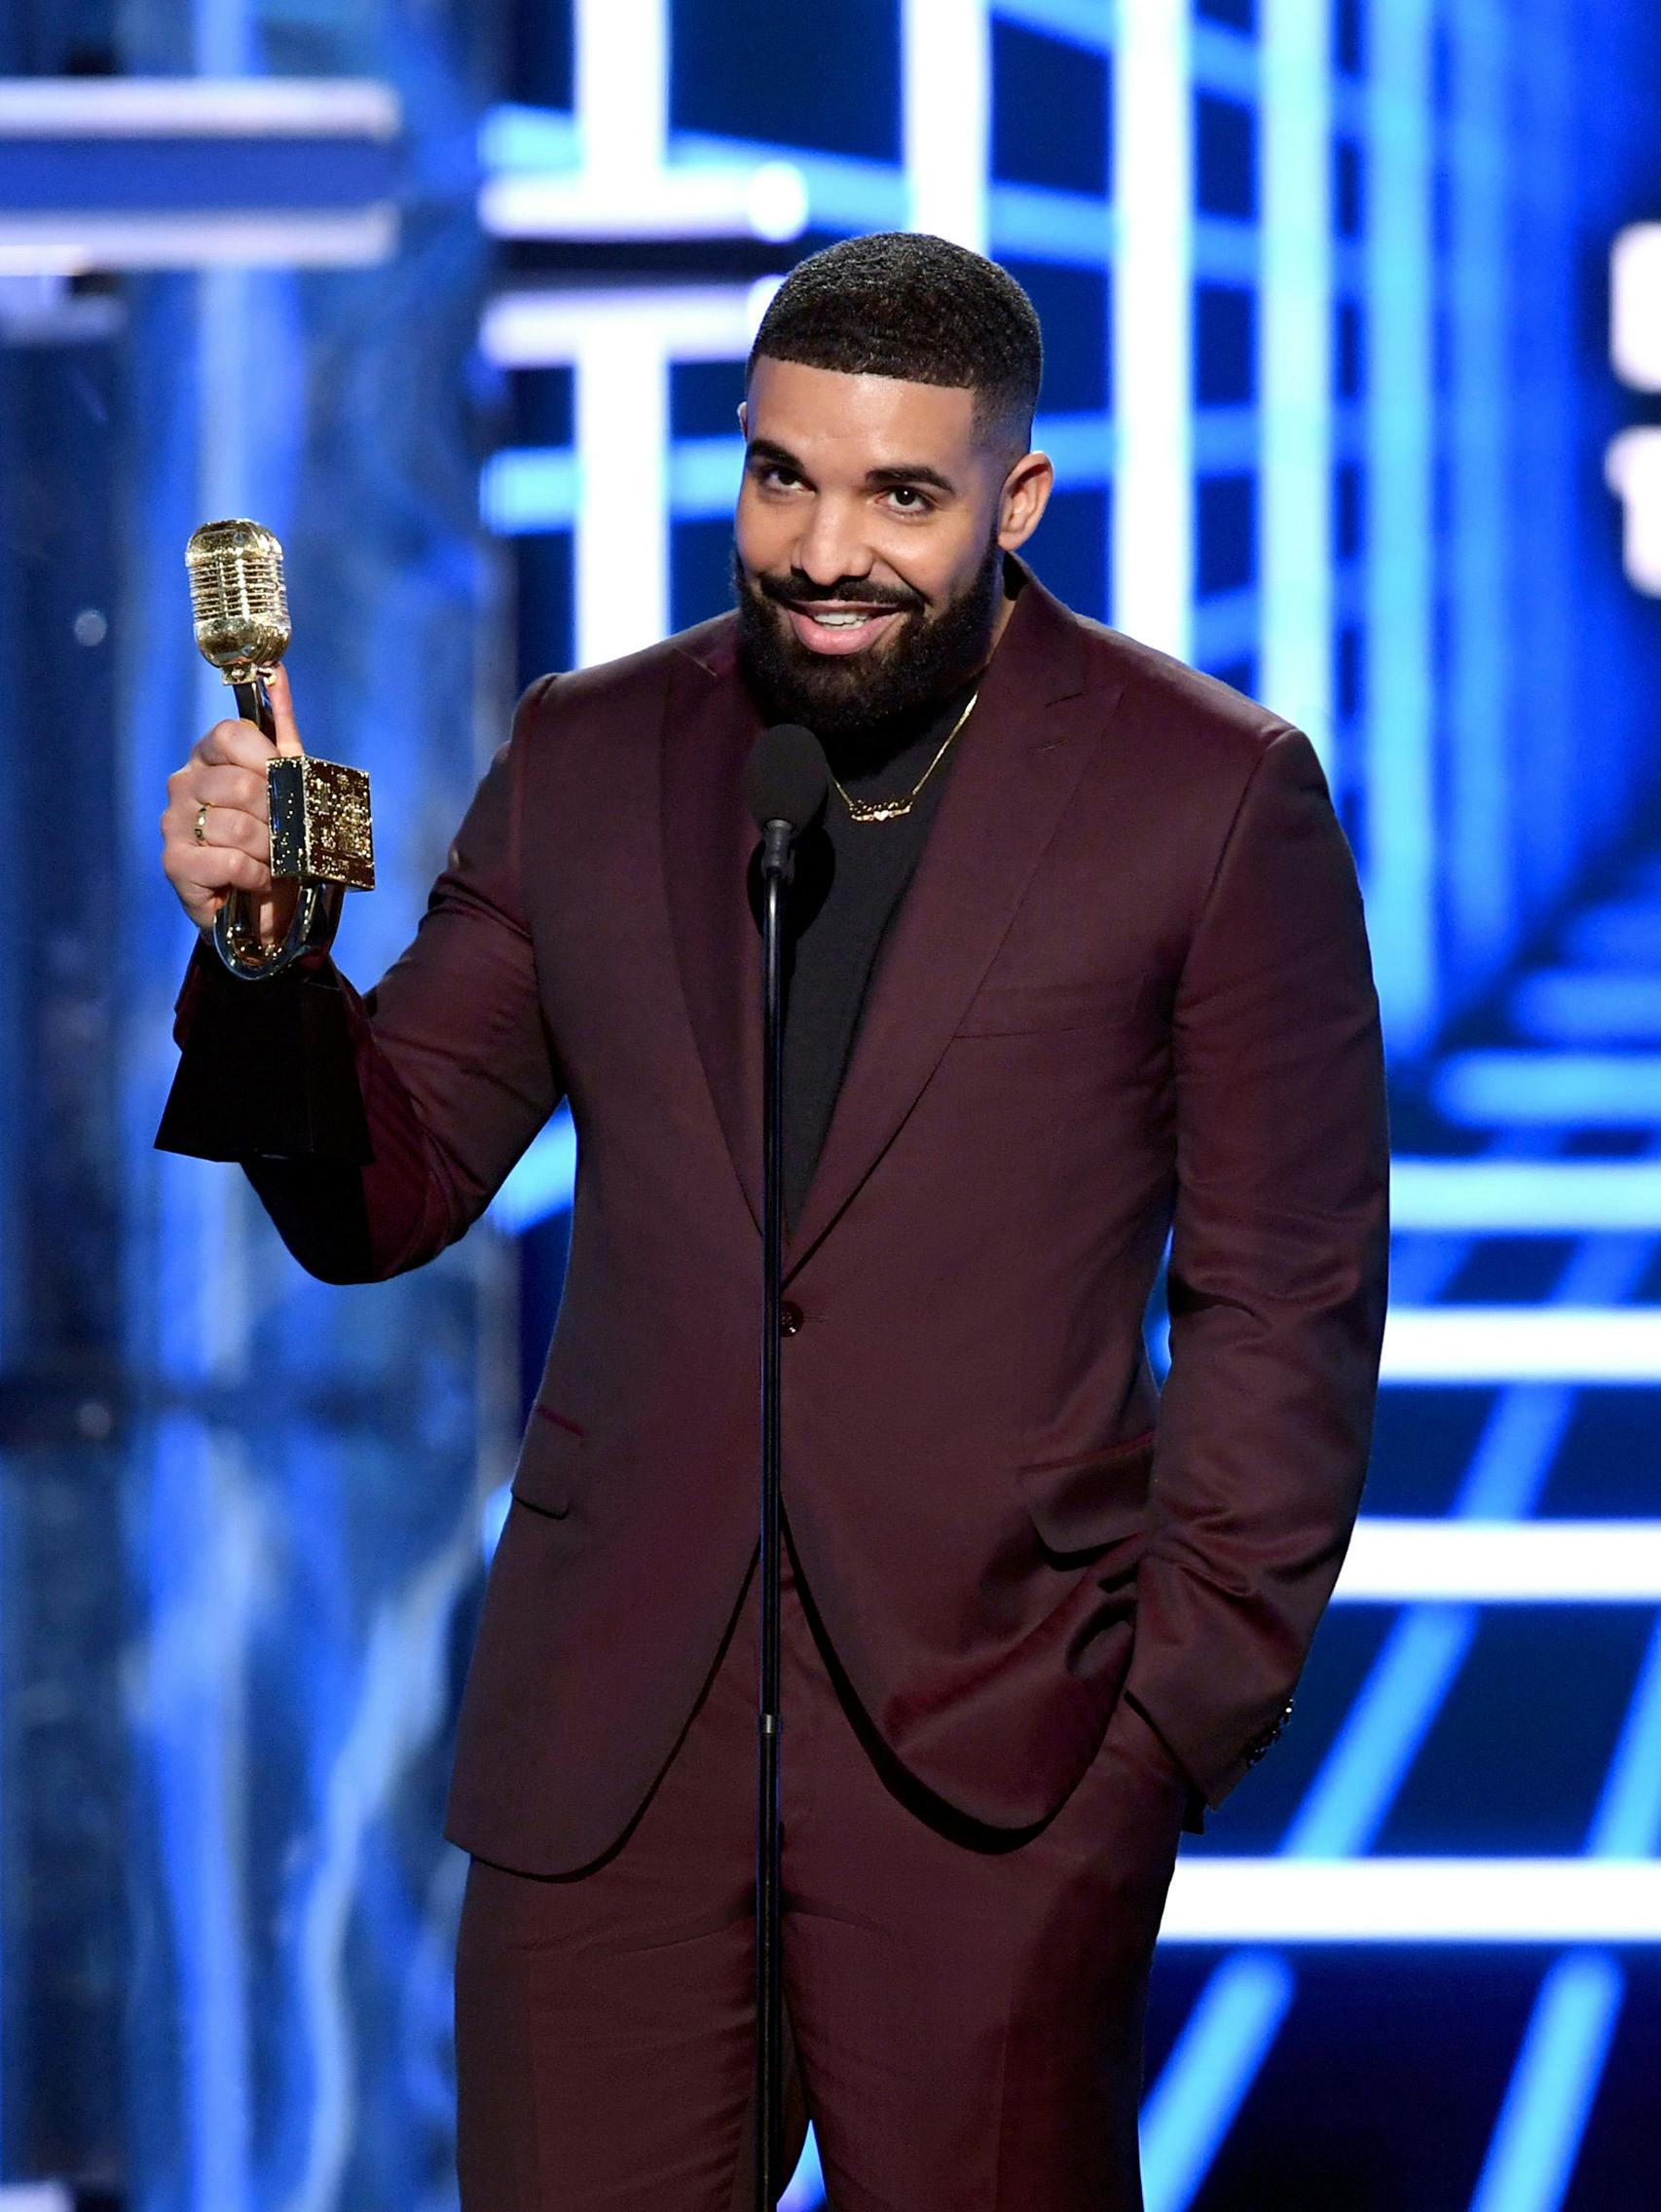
(1090, 1499)
(550, 1460)
(1014, 1009)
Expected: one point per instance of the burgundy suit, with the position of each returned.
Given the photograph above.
(1130, 983)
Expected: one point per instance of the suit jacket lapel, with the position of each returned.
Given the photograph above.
(1019, 757)
(708, 837)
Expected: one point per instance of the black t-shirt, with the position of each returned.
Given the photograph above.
(850, 883)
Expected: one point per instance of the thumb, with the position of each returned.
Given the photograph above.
(282, 712)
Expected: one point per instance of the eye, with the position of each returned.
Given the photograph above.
(775, 474)
(909, 500)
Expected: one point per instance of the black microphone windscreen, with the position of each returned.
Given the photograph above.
(786, 777)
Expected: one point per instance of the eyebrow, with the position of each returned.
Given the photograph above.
(908, 472)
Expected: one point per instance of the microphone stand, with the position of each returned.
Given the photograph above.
(777, 870)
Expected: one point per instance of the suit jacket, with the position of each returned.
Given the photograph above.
(1128, 993)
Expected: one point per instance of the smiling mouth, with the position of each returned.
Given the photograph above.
(829, 626)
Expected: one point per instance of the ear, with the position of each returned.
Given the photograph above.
(1023, 498)
(744, 419)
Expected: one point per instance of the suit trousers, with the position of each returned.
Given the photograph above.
(965, 2006)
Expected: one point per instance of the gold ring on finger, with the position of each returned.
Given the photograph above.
(202, 822)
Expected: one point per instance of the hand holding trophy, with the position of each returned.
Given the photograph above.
(280, 857)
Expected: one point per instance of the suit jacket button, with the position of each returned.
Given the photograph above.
(790, 1317)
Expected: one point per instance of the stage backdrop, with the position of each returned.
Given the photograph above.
(1353, 362)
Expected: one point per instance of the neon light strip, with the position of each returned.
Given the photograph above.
(1401, 795)
(1413, 1900)
(1608, 1091)
(945, 67)
(1479, 870)
(1523, 1344)
(1046, 225)
(1634, 306)
(622, 516)
(1397, 1561)
(622, 84)
(1524, 1198)
(1295, 671)
(547, 329)
(56, 244)
(1153, 508)
(1627, 1824)
(1543, 2119)
(767, 202)
(1567, 1005)
(1213, 2062)
(198, 107)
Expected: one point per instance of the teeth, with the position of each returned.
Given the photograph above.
(841, 621)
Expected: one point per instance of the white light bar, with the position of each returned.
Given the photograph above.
(1633, 468)
(1401, 1562)
(1413, 1900)
(768, 201)
(946, 72)
(198, 107)
(1153, 324)
(1523, 1344)
(1634, 306)
(1525, 1196)
(549, 329)
(1505, 1089)
(58, 245)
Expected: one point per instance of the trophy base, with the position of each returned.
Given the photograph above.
(265, 1074)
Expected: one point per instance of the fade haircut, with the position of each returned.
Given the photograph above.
(908, 304)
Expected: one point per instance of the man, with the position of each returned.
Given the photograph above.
(1080, 959)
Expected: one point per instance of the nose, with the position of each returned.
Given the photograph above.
(831, 544)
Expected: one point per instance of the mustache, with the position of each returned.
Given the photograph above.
(799, 591)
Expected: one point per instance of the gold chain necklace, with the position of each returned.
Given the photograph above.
(890, 809)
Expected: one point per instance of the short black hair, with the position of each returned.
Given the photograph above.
(906, 304)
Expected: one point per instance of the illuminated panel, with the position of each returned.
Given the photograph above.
(1153, 534)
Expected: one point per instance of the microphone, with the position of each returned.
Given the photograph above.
(785, 780)
(321, 834)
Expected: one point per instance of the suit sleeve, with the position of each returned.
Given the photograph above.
(426, 1088)
(1277, 1275)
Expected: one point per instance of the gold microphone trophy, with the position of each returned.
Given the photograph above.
(270, 1073)
(322, 836)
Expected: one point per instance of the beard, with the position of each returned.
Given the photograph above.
(927, 658)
